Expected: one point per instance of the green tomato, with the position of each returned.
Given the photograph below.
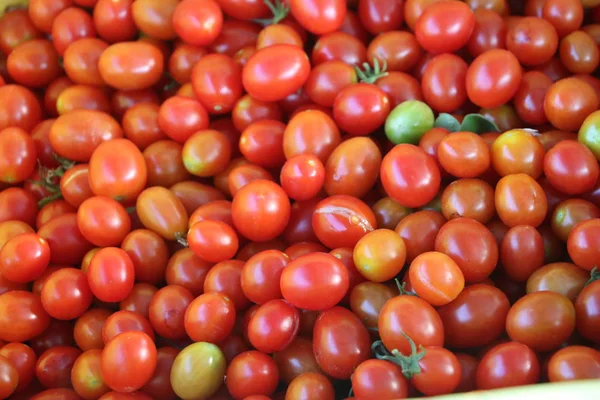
(589, 133)
(408, 122)
(198, 371)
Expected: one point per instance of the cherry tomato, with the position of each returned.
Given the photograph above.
(379, 255)
(582, 243)
(181, 117)
(197, 22)
(162, 212)
(103, 221)
(18, 155)
(111, 274)
(251, 373)
(20, 108)
(379, 379)
(125, 321)
(319, 17)
(23, 316)
(571, 167)
(23, 359)
(488, 33)
(586, 307)
(167, 309)
(436, 278)
(131, 65)
(24, 258)
(519, 366)
(444, 27)
(521, 252)
(300, 135)
(66, 294)
(574, 363)
(520, 200)
(532, 40)
(209, 318)
(216, 80)
(568, 102)
(360, 109)
(273, 326)
(565, 15)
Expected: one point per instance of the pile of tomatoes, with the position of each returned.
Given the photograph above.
(297, 199)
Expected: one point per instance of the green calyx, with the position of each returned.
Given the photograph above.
(408, 364)
(475, 123)
(50, 177)
(402, 291)
(278, 8)
(594, 276)
(370, 74)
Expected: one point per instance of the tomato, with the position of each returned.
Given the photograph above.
(520, 200)
(469, 198)
(521, 252)
(464, 154)
(139, 299)
(586, 307)
(300, 135)
(419, 230)
(23, 359)
(23, 316)
(263, 201)
(111, 274)
(273, 326)
(571, 167)
(181, 62)
(296, 359)
(532, 40)
(541, 320)
(587, 133)
(579, 53)
(302, 177)
(197, 22)
(18, 155)
(251, 373)
(436, 278)
(444, 27)
(24, 258)
(167, 309)
(113, 20)
(70, 25)
(225, 277)
(43, 12)
(216, 80)
(574, 363)
(568, 102)
(181, 117)
(122, 100)
(160, 384)
(187, 270)
(379, 379)
(379, 255)
(565, 15)
(53, 367)
(327, 79)
(493, 78)
(131, 65)
(242, 175)
(399, 87)
(443, 83)
(316, 281)
(164, 163)
(367, 299)
(360, 109)
(275, 72)
(398, 50)
(389, 213)
(155, 18)
(410, 176)
(198, 359)
(20, 108)
(581, 243)
(86, 375)
(162, 212)
(569, 213)
(67, 244)
(194, 194)
(125, 321)
(213, 241)
(209, 318)
(520, 366)
(319, 17)
(206, 153)
(66, 294)
(488, 33)
(128, 361)
(103, 221)
(412, 316)
(476, 317)
(261, 276)
(33, 63)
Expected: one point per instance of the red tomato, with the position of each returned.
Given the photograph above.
(24, 258)
(319, 16)
(22, 316)
(582, 243)
(571, 167)
(444, 27)
(436, 278)
(198, 22)
(111, 274)
(213, 241)
(217, 82)
(251, 373)
(273, 326)
(521, 367)
(131, 65)
(209, 318)
(66, 294)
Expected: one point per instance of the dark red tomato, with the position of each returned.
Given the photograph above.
(40, 135)
(443, 83)
(113, 20)
(471, 245)
(565, 15)
(70, 25)
(586, 307)
(87, 332)
(18, 205)
(67, 244)
(275, 72)
(197, 22)
(312, 384)
(248, 110)
(111, 274)
(529, 98)
(194, 194)
(43, 12)
(319, 17)
(398, 50)
(571, 167)
(261, 275)
(578, 52)
(59, 333)
(574, 363)
(235, 34)
(340, 221)
(327, 79)
(17, 155)
(379, 379)
(244, 9)
(475, 318)
(354, 27)
(469, 198)
(296, 359)
(140, 124)
(399, 87)
(410, 176)
(131, 65)
(311, 132)
(339, 46)
(251, 373)
(440, 372)
(464, 155)
(445, 27)
(489, 32)
(493, 78)
(66, 294)
(261, 143)
(360, 109)
(122, 100)
(23, 359)
(340, 342)
(225, 277)
(560, 277)
(149, 254)
(541, 320)
(568, 102)
(53, 368)
(33, 63)
(273, 326)
(182, 61)
(419, 230)
(125, 321)
(180, 117)
(507, 364)
(389, 213)
(378, 16)
(167, 310)
(317, 274)
(522, 252)
(263, 201)
(128, 361)
(210, 318)
(22, 316)
(520, 200)
(217, 82)
(412, 316)
(18, 108)
(155, 18)
(468, 366)
(532, 40)
(160, 383)
(214, 210)
(74, 185)
(139, 299)
(582, 243)
(164, 163)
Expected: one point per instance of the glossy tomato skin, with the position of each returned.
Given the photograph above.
(167, 311)
(314, 274)
(521, 252)
(210, 318)
(67, 244)
(131, 65)
(216, 80)
(520, 200)
(261, 276)
(20, 107)
(251, 373)
(296, 359)
(360, 109)
(350, 339)
(436, 278)
(571, 167)
(66, 294)
(488, 33)
(507, 364)
(18, 153)
(23, 316)
(300, 137)
(568, 102)
(412, 316)
(319, 17)
(111, 274)
(162, 212)
(275, 72)
(582, 243)
(379, 379)
(588, 317)
(273, 326)
(24, 258)
(444, 27)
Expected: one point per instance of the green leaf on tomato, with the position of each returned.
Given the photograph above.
(448, 122)
(408, 122)
(477, 123)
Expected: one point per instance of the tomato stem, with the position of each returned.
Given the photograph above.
(594, 276)
(402, 289)
(278, 8)
(49, 199)
(409, 364)
(181, 238)
(368, 74)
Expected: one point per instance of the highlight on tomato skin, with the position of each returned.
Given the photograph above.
(299, 199)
